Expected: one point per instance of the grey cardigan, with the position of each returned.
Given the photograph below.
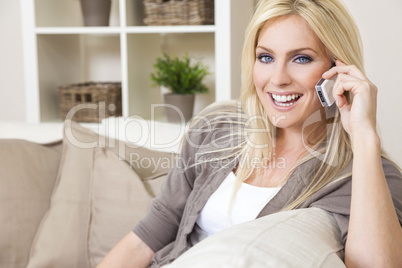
(167, 227)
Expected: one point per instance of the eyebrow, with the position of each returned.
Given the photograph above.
(295, 51)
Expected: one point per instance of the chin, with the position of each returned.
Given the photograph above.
(287, 125)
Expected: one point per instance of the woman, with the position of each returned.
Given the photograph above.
(284, 142)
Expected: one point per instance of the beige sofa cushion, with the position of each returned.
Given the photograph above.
(119, 200)
(27, 175)
(98, 198)
(299, 238)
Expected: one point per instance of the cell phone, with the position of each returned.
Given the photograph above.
(324, 91)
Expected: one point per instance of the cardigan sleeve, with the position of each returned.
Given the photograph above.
(160, 226)
(337, 199)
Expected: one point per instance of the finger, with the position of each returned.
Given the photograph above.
(346, 69)
(341, 86)
(341, 101)
(345, 112)
(345, 86)
(340, 63)
(345, 108)
(346, 82)
(347, 77)
(337, 91)
(343, 68)
(343, 78)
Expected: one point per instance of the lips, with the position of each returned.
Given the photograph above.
(284, 102)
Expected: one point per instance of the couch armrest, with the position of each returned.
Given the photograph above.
(28, 172)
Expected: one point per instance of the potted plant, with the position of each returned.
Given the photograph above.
(96, 12)
(183, 78)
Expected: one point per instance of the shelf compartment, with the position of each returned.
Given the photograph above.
(67, 13)
(135, 14)
(142, 50)
(66, 59)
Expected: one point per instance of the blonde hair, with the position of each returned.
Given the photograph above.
(336, 29)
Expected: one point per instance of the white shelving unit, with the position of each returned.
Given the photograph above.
(58, 50)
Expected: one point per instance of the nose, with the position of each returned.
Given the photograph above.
(280, 75)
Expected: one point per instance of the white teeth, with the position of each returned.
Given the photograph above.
(285, 98)
(284, 104)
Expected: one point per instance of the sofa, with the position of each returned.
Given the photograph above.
(68, 202)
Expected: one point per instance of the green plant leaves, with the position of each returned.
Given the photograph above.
(179, 74)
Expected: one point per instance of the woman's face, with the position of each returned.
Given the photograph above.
(290, 59)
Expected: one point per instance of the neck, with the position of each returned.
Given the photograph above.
(288, 141)
(292, 140)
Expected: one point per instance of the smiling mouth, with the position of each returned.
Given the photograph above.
(285, 100)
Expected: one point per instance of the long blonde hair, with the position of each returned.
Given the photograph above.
(336, 29)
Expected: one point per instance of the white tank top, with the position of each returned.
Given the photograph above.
(215, 216)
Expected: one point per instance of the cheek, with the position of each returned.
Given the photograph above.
(260, 77)
(307, 76)
(307, 81)
(311, 81)
(311, 77)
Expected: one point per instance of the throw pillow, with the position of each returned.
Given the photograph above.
(28, 172)
(98, 198)
(119, 201)
(298, 238)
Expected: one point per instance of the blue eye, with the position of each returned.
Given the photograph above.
(303, 59)
(265, 58)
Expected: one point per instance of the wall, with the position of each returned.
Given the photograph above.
(381, 30)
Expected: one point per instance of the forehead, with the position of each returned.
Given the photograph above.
(288, 33)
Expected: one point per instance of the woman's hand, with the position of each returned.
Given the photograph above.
(359, 116)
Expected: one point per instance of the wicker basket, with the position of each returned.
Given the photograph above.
(179, 12)
(104, 100)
